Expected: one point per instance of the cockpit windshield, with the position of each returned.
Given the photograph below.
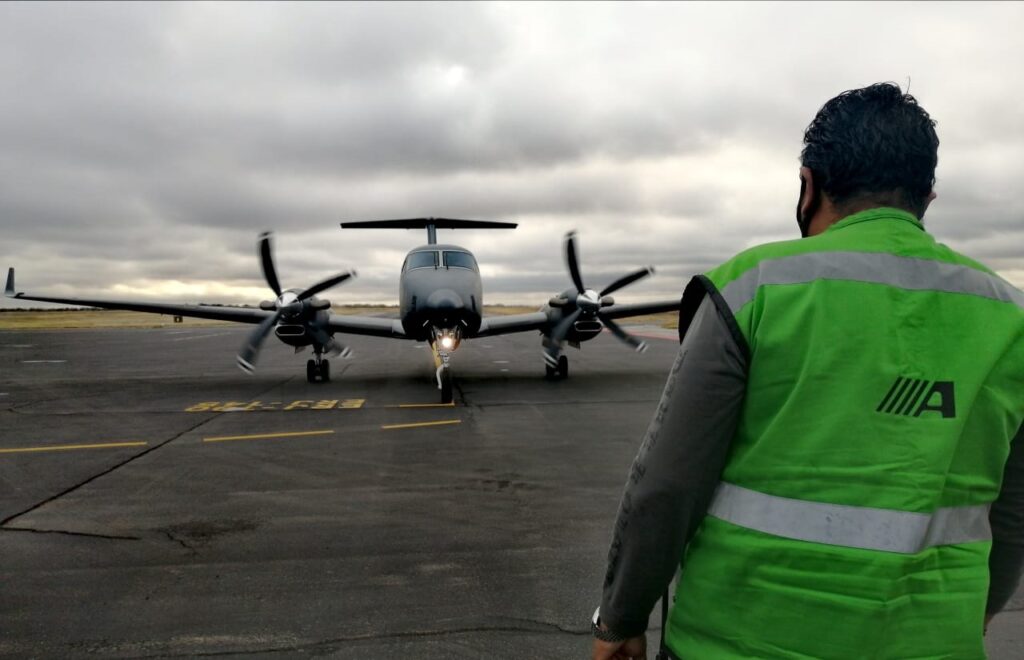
(425, 259)
(459, 260)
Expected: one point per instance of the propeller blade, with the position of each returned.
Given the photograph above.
(326, 284)
(617, 330)
(573, 261)
(562, 329)
(553, 345)
(251, 349)
(330, 344)
(626, 280)
(267, 261)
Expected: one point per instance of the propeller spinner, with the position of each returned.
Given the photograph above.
(297, 306)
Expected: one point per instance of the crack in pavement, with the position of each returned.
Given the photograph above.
(533, 626)
(64, 532)
(94, 477)
(171, 537)
(462, 394)
(128, 460)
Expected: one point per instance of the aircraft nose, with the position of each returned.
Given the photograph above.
(444, 299)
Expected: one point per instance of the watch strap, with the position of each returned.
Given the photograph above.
(604, 634)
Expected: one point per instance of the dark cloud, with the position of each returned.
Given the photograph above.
(152, 142)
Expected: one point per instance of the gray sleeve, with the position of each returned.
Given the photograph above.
(1006, 562)
(676, 470)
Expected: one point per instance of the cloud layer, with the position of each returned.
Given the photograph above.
(146, 145)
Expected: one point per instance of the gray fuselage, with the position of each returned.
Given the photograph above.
(440, 288)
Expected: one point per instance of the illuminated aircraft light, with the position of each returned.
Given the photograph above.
(447, 342)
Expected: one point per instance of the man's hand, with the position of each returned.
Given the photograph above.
(634, 648)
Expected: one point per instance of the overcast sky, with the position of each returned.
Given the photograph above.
(143, 147)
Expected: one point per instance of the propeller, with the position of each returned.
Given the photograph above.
(297, 307)
(588, 304)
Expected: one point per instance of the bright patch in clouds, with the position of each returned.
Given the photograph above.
(191, 291)
(147, 145)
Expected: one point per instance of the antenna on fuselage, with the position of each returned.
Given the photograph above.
(430, 224)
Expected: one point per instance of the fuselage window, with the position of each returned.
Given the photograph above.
(425, 259)
(459, 260)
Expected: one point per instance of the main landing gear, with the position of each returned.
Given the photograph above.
(559, 372)
(318, 369)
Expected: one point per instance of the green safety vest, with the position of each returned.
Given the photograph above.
(885, 384)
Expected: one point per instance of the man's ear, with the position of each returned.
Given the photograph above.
(808, 192)
(927, 200)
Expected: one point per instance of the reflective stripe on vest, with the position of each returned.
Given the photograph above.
(850, 526)
(870, 267)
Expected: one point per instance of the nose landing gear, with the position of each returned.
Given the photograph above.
(318, 369)
(444, 373)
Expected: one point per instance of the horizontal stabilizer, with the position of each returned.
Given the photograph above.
(430, 224)
(424, 223)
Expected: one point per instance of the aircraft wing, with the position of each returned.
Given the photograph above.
(503, 325)
(373, 326)
(238, 314)
(641, 309)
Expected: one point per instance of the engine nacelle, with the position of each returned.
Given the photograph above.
(293, 334)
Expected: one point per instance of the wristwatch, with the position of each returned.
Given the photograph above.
(603, 634)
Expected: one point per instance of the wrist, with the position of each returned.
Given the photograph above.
(603, 632)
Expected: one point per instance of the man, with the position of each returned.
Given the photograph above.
(826, 465)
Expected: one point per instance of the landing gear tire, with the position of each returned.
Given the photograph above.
(446, 386)
(325, 371)
(550, 372)
(311, 371)
(563, 366)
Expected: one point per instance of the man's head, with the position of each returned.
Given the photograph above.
(866, 148)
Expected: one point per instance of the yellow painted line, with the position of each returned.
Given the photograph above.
(104, 445)
(259, 436)
(424, 405)
(418, 424)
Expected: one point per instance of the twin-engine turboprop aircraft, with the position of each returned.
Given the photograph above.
(440, 302)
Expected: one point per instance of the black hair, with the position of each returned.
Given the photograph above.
(873, 144)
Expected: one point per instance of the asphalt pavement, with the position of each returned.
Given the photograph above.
(156, 501)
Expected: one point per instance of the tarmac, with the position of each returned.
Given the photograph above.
(155, 501)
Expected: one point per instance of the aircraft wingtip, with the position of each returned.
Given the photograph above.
(9, 288)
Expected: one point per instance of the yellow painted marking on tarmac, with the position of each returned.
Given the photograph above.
(259, 436)
(423, 405)
(101, 445)
(253, 406)
(418, 424)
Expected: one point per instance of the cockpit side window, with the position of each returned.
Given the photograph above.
(459, 260)
(424, 259)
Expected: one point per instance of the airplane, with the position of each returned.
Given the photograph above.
(440, 302)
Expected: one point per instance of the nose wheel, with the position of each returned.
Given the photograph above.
(446, 385)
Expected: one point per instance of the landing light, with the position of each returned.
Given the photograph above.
(446, 339)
